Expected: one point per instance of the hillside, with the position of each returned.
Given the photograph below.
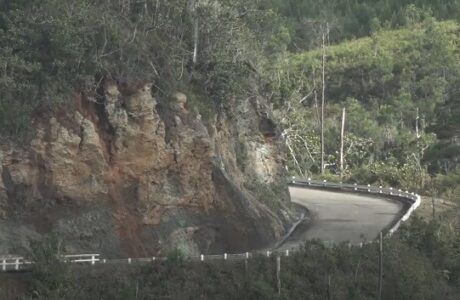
(140, 128)
(127, 130)
(392, 84)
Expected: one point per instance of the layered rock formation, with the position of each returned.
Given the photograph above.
(125, 175)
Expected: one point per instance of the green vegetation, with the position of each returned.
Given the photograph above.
(269, 195)
(53, 49)
(420, 262)
(396, 74)
(355, 18)
(393, 65)
(390, 84)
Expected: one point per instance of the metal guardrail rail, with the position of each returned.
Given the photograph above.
(16, 263)
(414, 200)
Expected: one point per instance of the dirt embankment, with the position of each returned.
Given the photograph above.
(126, 175)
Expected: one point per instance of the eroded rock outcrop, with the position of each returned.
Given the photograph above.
(126, 175)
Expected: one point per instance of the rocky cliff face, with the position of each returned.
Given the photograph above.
(125, 175)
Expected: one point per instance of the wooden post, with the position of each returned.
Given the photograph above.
(380, 266)
(246, 269)
(246, 263)
(329, 294)
(278, 274)
(342, 133)
(16, 264)
(3, 264)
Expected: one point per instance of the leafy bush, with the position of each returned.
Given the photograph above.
(410, 270)
(54, 49)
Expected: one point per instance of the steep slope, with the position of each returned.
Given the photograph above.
(127, 175)
(399, 89)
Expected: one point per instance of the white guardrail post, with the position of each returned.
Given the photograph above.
(11, 263)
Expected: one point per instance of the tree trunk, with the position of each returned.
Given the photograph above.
(193, 4)
(342, 133)
(195, 40)
(323, 94)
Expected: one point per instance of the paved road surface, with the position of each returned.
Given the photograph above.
(339, 217)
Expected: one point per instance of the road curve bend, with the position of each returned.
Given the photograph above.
(342, 217)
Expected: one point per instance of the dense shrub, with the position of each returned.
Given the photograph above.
(419, 263)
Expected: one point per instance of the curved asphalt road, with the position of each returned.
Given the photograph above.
(341, 217)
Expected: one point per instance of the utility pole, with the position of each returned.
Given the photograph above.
(380, 265)
(324, 32)
(342, 133)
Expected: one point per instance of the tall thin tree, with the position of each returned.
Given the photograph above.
(342, 134)
(324, 38)
(193, 7)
